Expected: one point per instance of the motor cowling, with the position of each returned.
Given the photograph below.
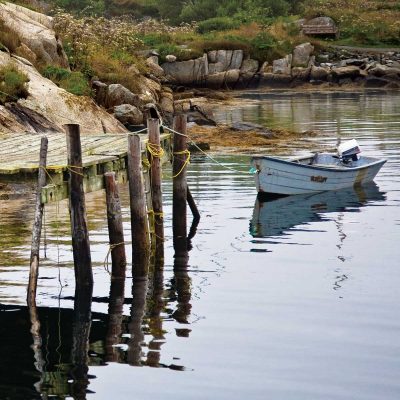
(349, 150)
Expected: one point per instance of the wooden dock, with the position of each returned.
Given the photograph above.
(19, 160)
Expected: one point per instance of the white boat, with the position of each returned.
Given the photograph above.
(317, 173)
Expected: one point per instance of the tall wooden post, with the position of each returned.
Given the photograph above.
(156, 181)
(179, 212)
(139, 223)
(115, 227)
(77, 207)
(37, 225)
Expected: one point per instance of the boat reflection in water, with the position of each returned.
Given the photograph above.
(275, 216)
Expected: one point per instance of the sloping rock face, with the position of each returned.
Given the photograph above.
(48, 108)
(35, 34)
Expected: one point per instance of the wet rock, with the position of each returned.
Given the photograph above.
(128, 114)
(279, 80)
(118, 94)
(374, 82)
(250, 127)
(282, 65)
(301, 55)
(345, 72)
(383, 70)
(226, 79)
(318, 73)
(301, 74)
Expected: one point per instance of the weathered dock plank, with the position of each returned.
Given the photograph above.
(19, 160)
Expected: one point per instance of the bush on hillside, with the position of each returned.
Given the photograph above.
(216, 24)
(12, 84)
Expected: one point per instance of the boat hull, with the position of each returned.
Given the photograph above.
(282, 177)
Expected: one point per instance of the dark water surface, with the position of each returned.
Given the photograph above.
(291, 299)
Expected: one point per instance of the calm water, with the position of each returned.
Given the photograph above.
(291, 299)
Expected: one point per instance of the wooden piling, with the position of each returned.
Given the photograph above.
(139, 223)
(156, 179)
(37, 225)
(115, 227)
(179, 211)
(77, 207)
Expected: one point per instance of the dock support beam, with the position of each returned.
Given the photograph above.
(37, 225)
(156, 178)
(179, 210)
(139, 223)
(77, 207)
(115, 227)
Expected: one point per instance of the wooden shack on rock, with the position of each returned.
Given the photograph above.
(321, 26)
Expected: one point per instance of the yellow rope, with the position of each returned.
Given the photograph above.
(187, 160)
(146, 163)
(155, 150)
(110, 249)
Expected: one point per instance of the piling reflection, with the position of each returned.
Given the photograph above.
(80, 341)
(139, 292)
(156, 305)
(115, 316)
(274, 217)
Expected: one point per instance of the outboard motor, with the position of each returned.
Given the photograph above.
(349, 150)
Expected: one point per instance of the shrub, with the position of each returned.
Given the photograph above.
(73, 82)
(216, 24)
(12, 84)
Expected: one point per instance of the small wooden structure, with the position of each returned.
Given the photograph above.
(320, 26)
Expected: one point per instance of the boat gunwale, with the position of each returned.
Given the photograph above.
(317, 167)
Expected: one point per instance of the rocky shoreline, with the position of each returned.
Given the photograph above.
(230, 69)
(172, 87)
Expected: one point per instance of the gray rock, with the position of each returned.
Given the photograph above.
(170, 58)
(226, 79)
(318, 73)
(154, 68)
(118, 95)
(100, 91)
(383, 70)
(212, 56)
(354, 61)
(265, 68)
(249, 66)
(153, 59)
(215, 68)
(270, 79)
(128, 114)
(301, 54)
(301, 74)
(187, 72)
(248, 126)
(236, 60)
(350, 71)
(282, 66)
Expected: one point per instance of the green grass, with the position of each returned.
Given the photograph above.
(12, 84)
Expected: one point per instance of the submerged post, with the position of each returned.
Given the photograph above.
(77, 207)
(193, 207)
(139, 223)
(179, 212)
(156, 179)
(115, 227)
(37, 225)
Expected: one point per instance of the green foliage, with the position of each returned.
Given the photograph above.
(155, 39)
(217, 24)
(73, 82)
(12, 84)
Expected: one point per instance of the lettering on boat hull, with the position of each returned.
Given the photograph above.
(318, 178)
